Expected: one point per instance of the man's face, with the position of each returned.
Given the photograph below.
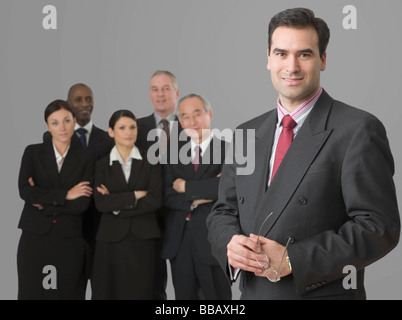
(295, 65)
(194, 119)
(163, 94)
(81, 100)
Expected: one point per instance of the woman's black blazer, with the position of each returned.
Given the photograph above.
(139, 217)
(50, 190)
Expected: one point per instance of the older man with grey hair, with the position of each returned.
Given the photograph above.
(191, 188)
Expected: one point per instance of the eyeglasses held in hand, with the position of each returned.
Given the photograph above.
(263, 260)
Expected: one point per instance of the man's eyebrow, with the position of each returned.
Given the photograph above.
(306, 51)
(278, 50)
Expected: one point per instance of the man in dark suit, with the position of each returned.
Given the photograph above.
(91, 138)
(163, 93)
(97, 141)
(330, 190)
(191, 187)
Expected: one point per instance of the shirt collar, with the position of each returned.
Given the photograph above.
(57, 154)
(87, 127)
(115, 155)
(170, 117)
(203, 145)
(301, 112)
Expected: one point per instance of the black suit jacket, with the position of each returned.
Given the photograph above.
(333, 194)
(138, 217)
(146, 124)
(99, 143)
(202, 184)
(51, 187)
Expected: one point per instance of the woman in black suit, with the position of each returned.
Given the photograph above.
(55, 182)
(128, 194)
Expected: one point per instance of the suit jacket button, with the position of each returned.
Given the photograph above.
(303, 200)
(55, 203)
(241, 200)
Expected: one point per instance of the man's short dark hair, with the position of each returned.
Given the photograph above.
(300, 18)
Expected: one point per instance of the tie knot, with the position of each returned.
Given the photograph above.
(288, 122)
(82, 131)
(165, 123)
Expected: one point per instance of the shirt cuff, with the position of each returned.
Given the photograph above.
(233, 272)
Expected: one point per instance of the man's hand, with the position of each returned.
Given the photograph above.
(241, 252)
(179, 185)
(274, 252)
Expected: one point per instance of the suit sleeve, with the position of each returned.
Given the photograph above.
(52, 199)
(223, 221)
(80, 204)
(113, 201)
(172, 199)
(153, 200)
(202, 189)
(36, 194)
(370, 201)
(126, 202)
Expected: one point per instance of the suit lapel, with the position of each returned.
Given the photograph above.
(69, 164)
(48, 158)
(118, 172)
(136, 167)
(302, 152)
(264, 137)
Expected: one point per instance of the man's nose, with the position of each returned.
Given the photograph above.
(293, 65)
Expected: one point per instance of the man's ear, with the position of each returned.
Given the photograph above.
(268, 65)
(324, 61)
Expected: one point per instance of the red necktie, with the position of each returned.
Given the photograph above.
(196, 161)
(284, 142)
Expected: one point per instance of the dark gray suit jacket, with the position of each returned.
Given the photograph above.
(333, 194)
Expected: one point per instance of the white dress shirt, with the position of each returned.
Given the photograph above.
(126, 167)
(59, 158)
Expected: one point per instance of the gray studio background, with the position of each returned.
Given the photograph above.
(216, 48)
